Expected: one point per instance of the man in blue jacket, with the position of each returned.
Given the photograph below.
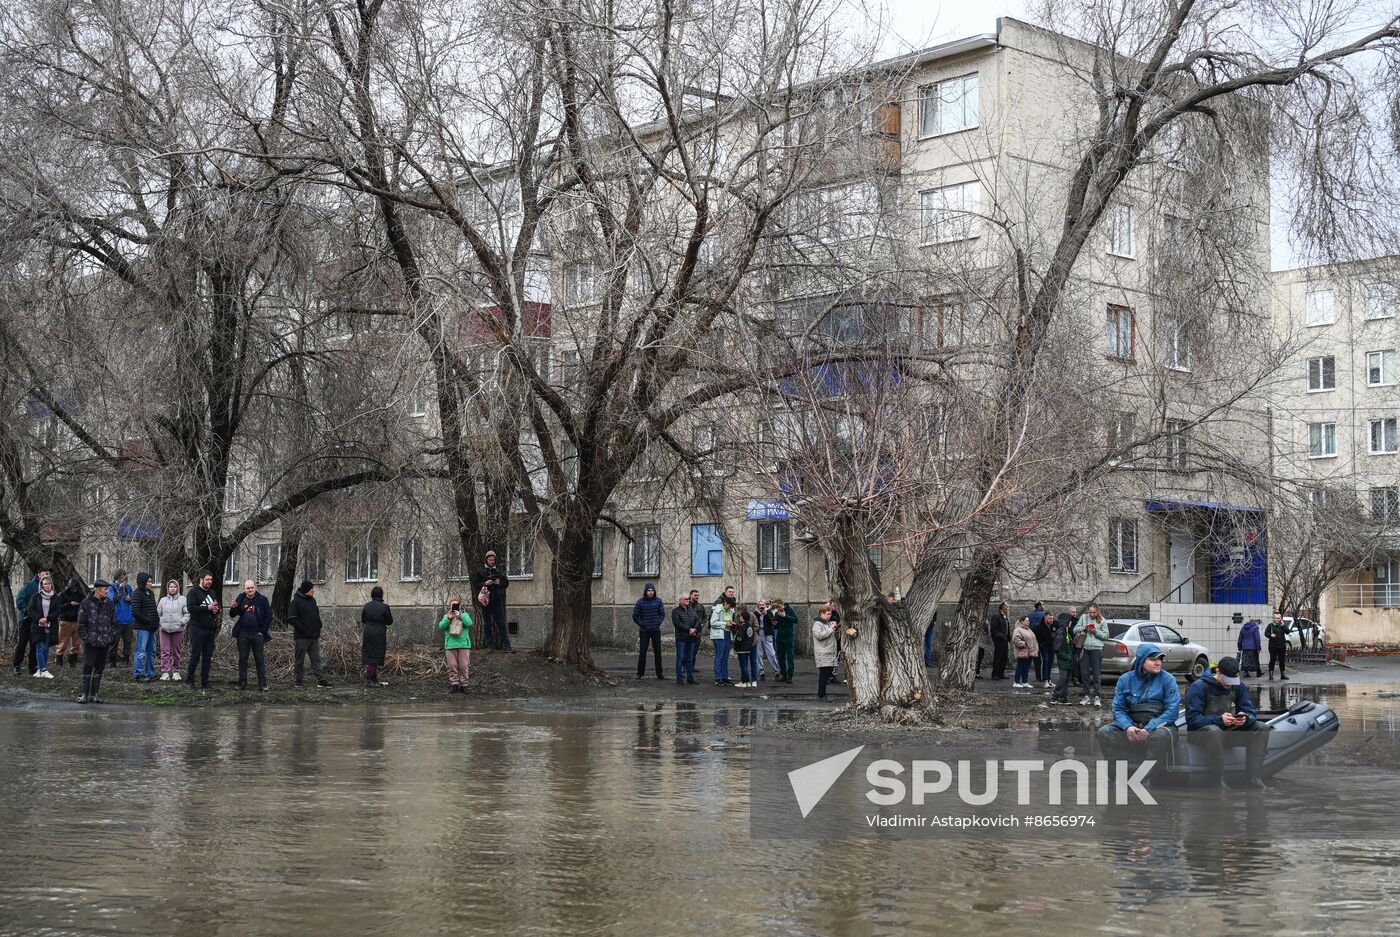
(1145, 706)
(126, 621)
(1218, 704)
(649, 613)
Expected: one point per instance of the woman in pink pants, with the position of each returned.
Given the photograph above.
(174, 614)
(456, 628)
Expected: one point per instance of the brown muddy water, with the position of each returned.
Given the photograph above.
(617, 821)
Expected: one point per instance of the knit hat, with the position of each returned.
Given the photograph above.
(376, 593)
(306, 586)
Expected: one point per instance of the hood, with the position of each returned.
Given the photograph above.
(142, 579)
(71, 584)
(652, 587)
(1142, 652)
(119, 575)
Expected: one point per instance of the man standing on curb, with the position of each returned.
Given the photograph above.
(685, 619)
(252, 616)
(647, 615)
(97, 627)
(1277, 636)
(146, 620)
(305, 618)
(121, 603)
(496, 582)
(203, 606)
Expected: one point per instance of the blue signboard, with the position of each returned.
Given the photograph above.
(768, 511)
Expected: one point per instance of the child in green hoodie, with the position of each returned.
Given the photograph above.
(456, 628)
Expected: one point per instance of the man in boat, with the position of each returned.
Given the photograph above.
(1145, 706)
(1217, 706)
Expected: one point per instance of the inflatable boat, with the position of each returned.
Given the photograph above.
(1294, 733)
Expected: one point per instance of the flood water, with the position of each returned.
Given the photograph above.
(283, 821)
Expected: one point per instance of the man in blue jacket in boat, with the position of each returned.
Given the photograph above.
(1146, 703)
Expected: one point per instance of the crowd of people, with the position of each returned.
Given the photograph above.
(1040, 642)
(763, 638)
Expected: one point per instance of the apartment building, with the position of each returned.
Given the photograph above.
(1336, 418)
(981, 137)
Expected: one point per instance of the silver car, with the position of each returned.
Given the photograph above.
(1184, 658)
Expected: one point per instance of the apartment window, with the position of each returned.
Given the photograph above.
(94, 567)
(946, 323)
(1318, 308)
(877, 556)
(949, 213)
(520, 554)
(265, 501)
(1385, 504)
(775, 547)
(1178, 245)
(231, 572)
(569, 368)
(583, 284)
(1322, 440)
(1122, 545)
(313, 561)
(948, 106)
(1178, 350)
(1322, 373)
(269, 558)
(410, 559)
(644, 551)
(231, 486)
(1177, 453)
(1380, 368)
(362, 560)
(598, 553)
(1383, 440)
(1380, 300)
(649, 463)
(1122, 327)
(418, 399)
(702, 442)
(1121, 430)
(541, 360)
(1118, 230)
(457, 570)
(1319, 498)
(706, 550)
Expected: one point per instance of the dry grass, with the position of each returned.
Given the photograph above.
(340, 655)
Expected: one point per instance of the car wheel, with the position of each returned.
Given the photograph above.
(1199, 666)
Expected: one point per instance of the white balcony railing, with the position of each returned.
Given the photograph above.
(1364, 595)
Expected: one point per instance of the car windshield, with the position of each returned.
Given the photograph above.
(1116, 630)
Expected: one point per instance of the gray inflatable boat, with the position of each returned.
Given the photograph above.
(1294, 733)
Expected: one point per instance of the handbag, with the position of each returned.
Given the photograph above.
(455, 628)
(483, 597)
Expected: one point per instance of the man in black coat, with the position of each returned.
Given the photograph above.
(1000, 628)
(98, 629)
(203, 606)
(305, 618)
(494, 612)
(145, 619)
(252, 616)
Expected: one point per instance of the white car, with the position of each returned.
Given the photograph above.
(1301, 629)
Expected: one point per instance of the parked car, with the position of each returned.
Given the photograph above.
(1303, 629)
(1184, 658)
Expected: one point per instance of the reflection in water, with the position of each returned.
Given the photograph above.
(256, 821)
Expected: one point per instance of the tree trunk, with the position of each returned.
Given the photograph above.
(571, 585)
(286, 582)
(884, 657)
(9, 619)
(965, 630)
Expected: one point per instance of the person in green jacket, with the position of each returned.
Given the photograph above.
(785, 640)
(456, 628)
(1095, 631)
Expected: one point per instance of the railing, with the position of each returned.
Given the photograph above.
(1364, 595)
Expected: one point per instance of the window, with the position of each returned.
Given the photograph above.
(95, 496)
(231, 493)
(94, 567)
(877, 556)
(775, 547)
(1178, 242)
(362, 560)
(266, 500)
(231, 570)
(1322, 440)
(457, 570)
(569, 368)
(835, 213)
(269, 558)
(418, 399)
(1118, 230)
(949, 213)
(1122, 545)
(644, 551)
(706, 550)
(410, 559)
(1178, 349)
(1322, 373)
(1385, 504)
(702, 442)
(1121, 430)
(598, 553)
(948, 106)
(649, 463)
(1177, 443)
(1383, 437)
(520, 554)
(1318, 308)
(947, 323)
(1122, 327)
(313, 562)
(1380, 368)
(583, 284)
(1380, 300)
(541, 360)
